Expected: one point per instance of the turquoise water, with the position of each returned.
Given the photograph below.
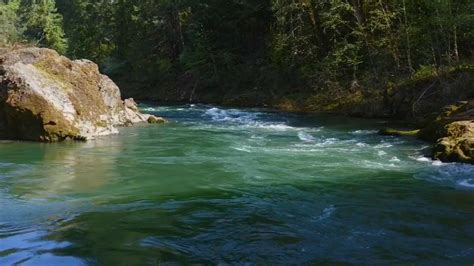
(223, 185)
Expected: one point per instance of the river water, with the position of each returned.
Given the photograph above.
(238, 186)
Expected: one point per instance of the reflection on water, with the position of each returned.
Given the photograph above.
(234, 186)
(67, 168)
(81, 168)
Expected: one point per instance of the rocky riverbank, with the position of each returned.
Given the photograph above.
(452, 133)
(47, 97)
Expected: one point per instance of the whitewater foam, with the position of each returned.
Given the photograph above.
(454, 174)
(149, 109)
(244, 119)
(377, 165)
(364, 132)
(327, 212)
(306, 137)
(438, 163)
(383, 145)
(231, 115)
(270, 126)
(243, 148)
(422, 159)
(466, 183)
(395, 159)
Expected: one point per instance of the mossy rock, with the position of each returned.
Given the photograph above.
(454, 150)
(396, 132)
(156, 120)
(47, 97)
(457, 145)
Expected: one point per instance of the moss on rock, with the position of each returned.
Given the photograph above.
(47, 97)
(396, 132)
(156, 120)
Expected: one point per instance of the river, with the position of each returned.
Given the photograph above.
(243, 186)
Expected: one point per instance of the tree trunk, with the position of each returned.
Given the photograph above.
(407, 33)
(359, 11)
(456, 51)
(316, 23)
(178, 42)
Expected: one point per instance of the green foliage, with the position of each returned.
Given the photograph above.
(262, 47)
(9, 30)
(43, 24)
(90, 28)
(36, 21)
(423, 72)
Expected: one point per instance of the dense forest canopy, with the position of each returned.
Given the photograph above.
(262, 47)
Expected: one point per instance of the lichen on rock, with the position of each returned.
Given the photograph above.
(48, 97)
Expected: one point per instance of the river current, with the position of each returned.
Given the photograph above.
(237, 186)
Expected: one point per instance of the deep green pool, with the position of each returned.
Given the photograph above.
(235, 186)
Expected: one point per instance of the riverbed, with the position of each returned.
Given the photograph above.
(221, 185)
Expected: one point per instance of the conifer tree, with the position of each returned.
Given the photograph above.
(43, 24)
(10, 32)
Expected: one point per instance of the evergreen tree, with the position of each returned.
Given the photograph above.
(276, 46)
(9, 28)
(43, 24)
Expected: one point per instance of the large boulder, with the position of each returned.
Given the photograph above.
(452, 132)
(458, 143)
(436, 129)
(48, 97)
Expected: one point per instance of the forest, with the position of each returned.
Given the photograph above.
(251, 52)
(237, 132)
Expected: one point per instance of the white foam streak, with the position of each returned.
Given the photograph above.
(383, 145)
(327, 213)
(306, 137)
(244, 119)
(422, 159)
(243, 148)
(395, 159)
(277, 127)
(455, 174)
(467, 183)
(232, 115)
(364, 132)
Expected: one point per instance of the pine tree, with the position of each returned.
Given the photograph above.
(10, 32)
(43, 24)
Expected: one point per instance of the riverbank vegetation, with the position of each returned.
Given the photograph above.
(372, 58)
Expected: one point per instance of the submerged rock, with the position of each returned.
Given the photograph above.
(48, 97)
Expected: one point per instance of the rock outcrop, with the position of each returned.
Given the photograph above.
(47, 97)
(458, 143)
(452, 132)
